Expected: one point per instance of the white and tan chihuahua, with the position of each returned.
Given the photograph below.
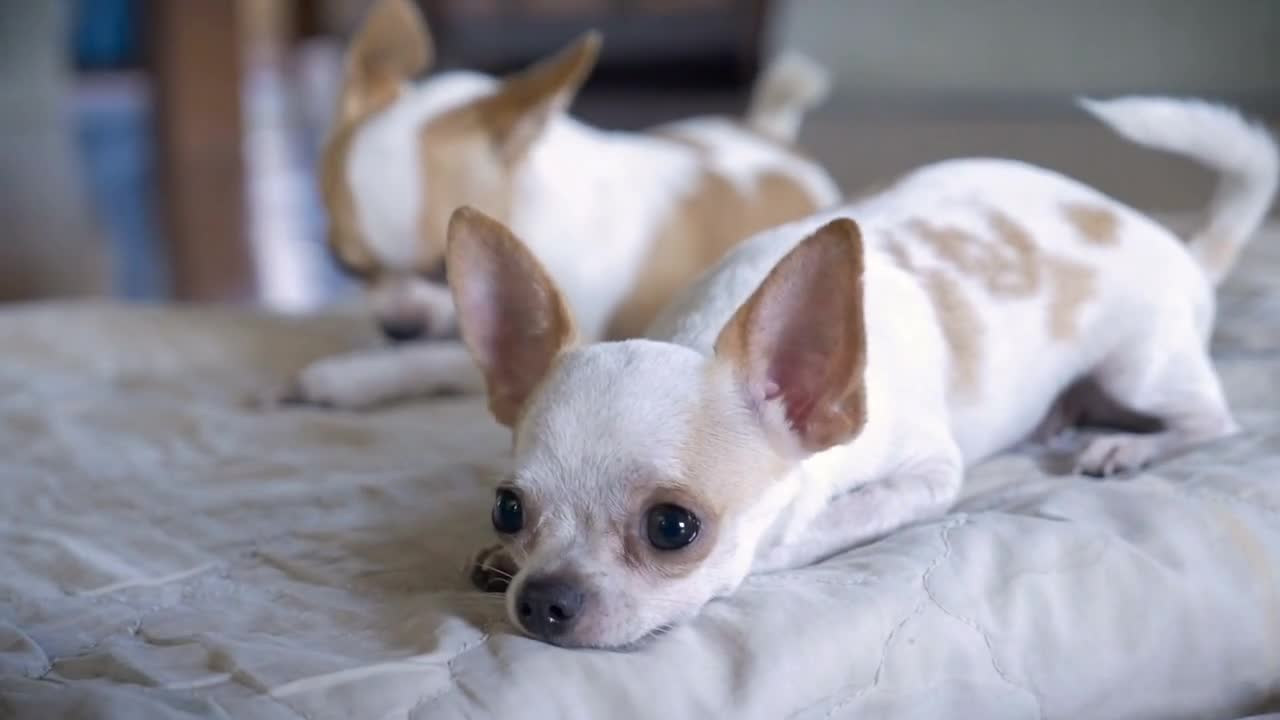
(621, 220)
(831, 379)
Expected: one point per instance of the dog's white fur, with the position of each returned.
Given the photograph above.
(589, 203)
(385, 174)
(687, 408)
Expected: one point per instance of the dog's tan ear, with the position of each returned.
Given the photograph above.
(391, 47)
(511, 315)
(518, 113)
(800, 340)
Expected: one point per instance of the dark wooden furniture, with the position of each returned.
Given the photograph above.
(705, 42)
(195, 61)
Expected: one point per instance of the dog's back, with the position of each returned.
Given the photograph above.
(1033, 280)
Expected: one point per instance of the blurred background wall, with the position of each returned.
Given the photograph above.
(50, 240)
(162, 149)
(1011, 49)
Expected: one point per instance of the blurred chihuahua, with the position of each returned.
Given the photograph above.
(829, 382)
(621, 220)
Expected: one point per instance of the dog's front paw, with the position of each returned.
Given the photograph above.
(337, 382)
(1117, 454)
(492, 569)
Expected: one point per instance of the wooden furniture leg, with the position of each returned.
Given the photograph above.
(196, 63)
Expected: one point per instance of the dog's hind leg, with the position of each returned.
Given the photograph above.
(1166, 375)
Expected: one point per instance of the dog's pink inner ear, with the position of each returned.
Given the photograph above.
(511, 315)
(518, 113)
(390, 48)
(801, 340)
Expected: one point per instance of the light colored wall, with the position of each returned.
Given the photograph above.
(1228, 48)
(48, 243)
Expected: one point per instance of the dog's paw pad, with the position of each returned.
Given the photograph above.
(492, 570)
(1117, 454)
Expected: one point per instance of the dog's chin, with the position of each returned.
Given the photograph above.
(636, 642)
(629, 646)
(643, 641)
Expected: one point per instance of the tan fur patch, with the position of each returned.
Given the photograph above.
(1072, 286)
(459, 163)
(1008, 267)
(459, 168)
(344, 238)
(714, 217)
(1097, 225)
(392, 45)
(899, 252)
(961, 329)
(516, 115)
(453, 154)
(1017, 271)
(961, 326)
(954, 245)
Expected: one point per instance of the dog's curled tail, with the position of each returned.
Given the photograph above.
(790, 86)
(1242, 152)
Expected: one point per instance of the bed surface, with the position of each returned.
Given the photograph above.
(167, 552)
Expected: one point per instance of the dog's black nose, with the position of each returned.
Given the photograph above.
(403, 330)
(548, 607)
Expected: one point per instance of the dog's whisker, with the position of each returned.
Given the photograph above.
(500, 573)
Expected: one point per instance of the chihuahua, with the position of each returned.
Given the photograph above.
(831, 379)
(621, 220)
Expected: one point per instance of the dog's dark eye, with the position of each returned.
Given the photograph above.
(508, 515)
(671, 527)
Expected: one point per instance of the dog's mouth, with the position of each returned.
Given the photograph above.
(643, 641)
(590, 637)
(639, 644)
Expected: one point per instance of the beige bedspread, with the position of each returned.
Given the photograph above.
(166, 552)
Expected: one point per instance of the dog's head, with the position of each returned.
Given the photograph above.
(400, 158)
(645, 472)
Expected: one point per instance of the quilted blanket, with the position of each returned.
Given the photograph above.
(168, 552)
